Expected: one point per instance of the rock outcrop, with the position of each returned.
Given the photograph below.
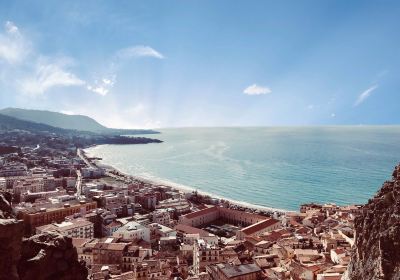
(44, 256)
(50, 256)
(11, 233)
(5, 205)
(376, 253)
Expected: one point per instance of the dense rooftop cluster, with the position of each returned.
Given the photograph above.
(129, 228)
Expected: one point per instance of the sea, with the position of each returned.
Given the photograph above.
(276, 167)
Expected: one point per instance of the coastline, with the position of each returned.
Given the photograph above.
(179, 187)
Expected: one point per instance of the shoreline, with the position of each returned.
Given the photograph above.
(181, 188)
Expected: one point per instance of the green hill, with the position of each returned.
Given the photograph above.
(10, 123)
(13, 133)
(74, 122)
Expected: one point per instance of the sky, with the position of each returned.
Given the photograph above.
(152, 64)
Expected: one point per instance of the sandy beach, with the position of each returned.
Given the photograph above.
(111, 170)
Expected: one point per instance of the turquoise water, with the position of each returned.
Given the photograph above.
(273, 167)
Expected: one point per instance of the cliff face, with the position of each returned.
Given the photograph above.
(11, 232)
(50, 256)
(376, 253)
(41, 257)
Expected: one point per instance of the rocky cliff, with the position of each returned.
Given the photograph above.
(376, 253)
(41, 257)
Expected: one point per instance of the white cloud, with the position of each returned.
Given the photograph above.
(102, 86)
(13, 46)
(256, 90)
(108, 81)
(99, 90)
(31, 72)
(310, 107)
(11, 28)
(139, 51)
(333, 115)
(364, 95)
(47, 76)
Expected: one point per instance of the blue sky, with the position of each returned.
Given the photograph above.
(204, 63)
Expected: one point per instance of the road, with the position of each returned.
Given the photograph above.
(78, 172)
(78, 184)
(84, 158)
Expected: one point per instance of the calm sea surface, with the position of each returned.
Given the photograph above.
(273, 167)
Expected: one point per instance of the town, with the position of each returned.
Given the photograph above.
(124, 227)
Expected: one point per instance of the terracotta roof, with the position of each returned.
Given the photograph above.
(272, 236)
(201, 212)
(114, 224)
(332, 277)
(313, 268)
(80, 242)
(111, 246)
(259, 226)
(190, 230)
(340, 251)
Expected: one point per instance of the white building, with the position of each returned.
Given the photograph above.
(29, 185)
(25, 196)
(90, 172)
(161, 216)
(91, 186)
(161, 230)
(204, 254)
(191, 238)
(77, 228)
(133, 231)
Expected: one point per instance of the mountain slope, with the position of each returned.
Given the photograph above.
(10, 123)
(60, 120)
(10, 131)
(55, 119)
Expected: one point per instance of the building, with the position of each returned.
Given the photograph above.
(225, 271)
(180, 205)
(259, 228)
(108, 252)
(91, 186)
(91, 172)
(37, 183)
(110, 228)
(77, 228)
(208, 215)
(134, 255)
(133, 231)
(84, 247)
(161, 216)
(148, 201)
(8, 182)
(31, 196)
(39, 214)
(203, 255)
(25, 186)
(161, 230)
(13, 169)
